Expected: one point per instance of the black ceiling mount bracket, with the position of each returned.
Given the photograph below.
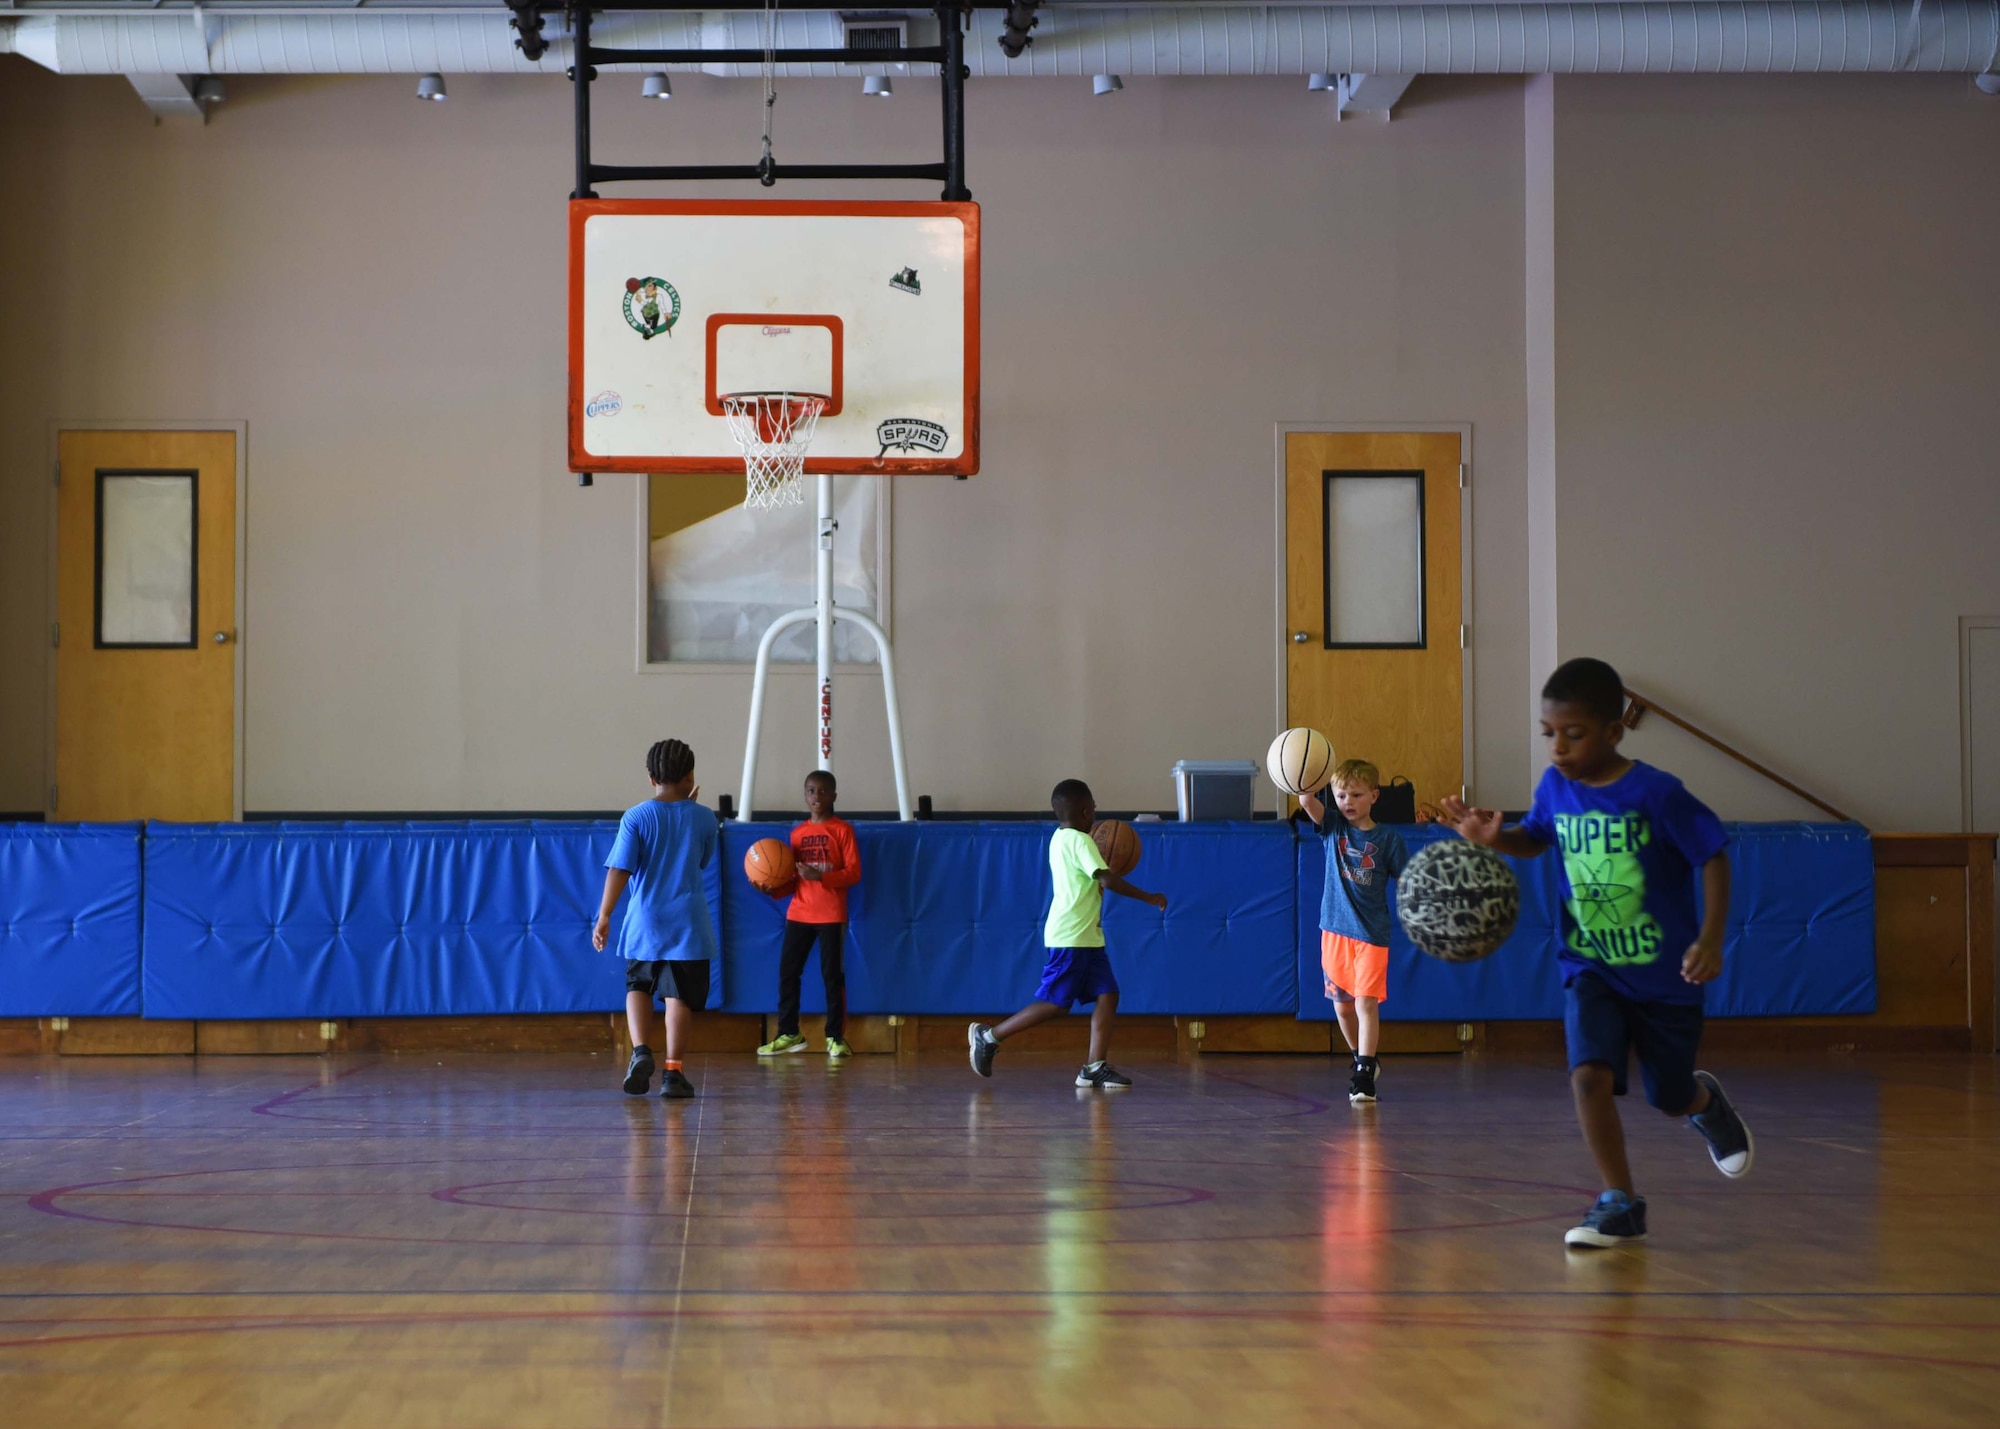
(1021, 18)
(948, 55)
(527, 23)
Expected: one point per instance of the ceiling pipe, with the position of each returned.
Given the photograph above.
(1077, 40)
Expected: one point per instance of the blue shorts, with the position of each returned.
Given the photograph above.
(1073, 975)
(1603, 1025)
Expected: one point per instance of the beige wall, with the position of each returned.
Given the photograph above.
(1777, 351)
(1750, 321)
(438, 618)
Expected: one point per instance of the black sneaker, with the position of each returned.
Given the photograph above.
(1104, 1077)
(1729, 1143)
(639, 1071)
(674, 1086)
(1361, 1086)
(983, 1045)
(1616, 1219)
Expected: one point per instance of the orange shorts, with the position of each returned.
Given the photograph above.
(1353, 968)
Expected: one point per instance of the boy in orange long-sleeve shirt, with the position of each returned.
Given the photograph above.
(829, 864)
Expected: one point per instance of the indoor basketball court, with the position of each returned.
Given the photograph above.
(1043, 713)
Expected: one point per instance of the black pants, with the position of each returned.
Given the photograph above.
(799, 939)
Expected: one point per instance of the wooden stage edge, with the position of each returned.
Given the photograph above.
(1935, 957)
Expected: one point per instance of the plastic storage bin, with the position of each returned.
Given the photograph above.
(1215, 788)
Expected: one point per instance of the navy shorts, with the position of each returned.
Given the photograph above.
(1073, 975)
(681, 979)
(1603, 1025)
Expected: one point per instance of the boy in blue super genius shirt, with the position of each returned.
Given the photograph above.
(668, 939)
(1634, 955)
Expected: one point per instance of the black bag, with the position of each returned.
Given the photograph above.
(1397, 802)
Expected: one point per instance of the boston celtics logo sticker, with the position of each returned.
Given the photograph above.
(652, 306)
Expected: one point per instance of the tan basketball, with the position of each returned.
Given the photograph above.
(769, 865)
(1119, 843)
(1300, 761)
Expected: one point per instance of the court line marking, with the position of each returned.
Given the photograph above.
(1469, 1324)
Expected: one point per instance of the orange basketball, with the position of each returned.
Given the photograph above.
(769, 865)
(1119, 844)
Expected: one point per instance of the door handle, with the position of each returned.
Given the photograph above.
(222, 637)
(1300, 637)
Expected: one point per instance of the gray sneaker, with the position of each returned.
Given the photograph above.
(979, 1037)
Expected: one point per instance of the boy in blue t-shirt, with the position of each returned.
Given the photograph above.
(668, 939)
(1634, 957)
(1354, 917)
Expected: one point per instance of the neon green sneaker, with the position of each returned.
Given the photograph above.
(837, 1048)
(784, 1042)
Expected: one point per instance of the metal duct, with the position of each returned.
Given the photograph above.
(1074, 40)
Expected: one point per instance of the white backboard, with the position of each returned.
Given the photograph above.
(872, 305)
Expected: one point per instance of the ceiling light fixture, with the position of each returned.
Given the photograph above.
(1106, 84)
(431, 86)
(657, 86)
(877, 85)
(209, 90)
(1318, 82)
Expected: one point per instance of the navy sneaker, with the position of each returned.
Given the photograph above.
(979, 1037)
(674, 1086)
(639, 1071)
(1616, 1219)
(1729, 1143)
(1103, 1076)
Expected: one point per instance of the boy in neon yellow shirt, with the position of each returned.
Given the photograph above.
(1077, 969)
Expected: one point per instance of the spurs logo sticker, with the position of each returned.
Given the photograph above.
(906, 282)
(652, 306)
(908, 433)
(604, 404)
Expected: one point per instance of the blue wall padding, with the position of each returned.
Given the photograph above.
(1801, 935)
(69, 920)
(1801, 922)
(948, 919)
(328, 920)
(386, 919)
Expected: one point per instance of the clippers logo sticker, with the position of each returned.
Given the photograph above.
(908, 433)
(604, 404)
(644, 310)
(906, 282)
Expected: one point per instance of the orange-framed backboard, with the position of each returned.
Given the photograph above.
(674, 304)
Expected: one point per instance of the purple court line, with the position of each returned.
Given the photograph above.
(816, 1323)
(269, 1108)
(627, 1292)
(47, 1203)
(1181, 1196)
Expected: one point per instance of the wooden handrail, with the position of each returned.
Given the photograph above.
(1639, 705)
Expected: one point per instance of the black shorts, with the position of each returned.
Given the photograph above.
(1603, 1025)
(682, 980)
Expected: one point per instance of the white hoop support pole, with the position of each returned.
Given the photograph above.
(778, 627)
(890, 706)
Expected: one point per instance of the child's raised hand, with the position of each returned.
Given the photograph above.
(1481, 826)
(1703, 962)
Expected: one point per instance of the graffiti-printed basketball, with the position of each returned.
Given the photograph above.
(1458, 900)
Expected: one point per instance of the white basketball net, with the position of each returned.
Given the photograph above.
(773, 430)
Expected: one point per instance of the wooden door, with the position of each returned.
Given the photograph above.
(145, 669)
(1398, 701)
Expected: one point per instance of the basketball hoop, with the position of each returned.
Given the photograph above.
(772, 430)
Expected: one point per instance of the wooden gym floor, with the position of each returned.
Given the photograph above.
(508, 1241)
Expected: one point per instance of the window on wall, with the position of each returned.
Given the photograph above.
(1374, 559)
(145, 578)
(718, 575)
